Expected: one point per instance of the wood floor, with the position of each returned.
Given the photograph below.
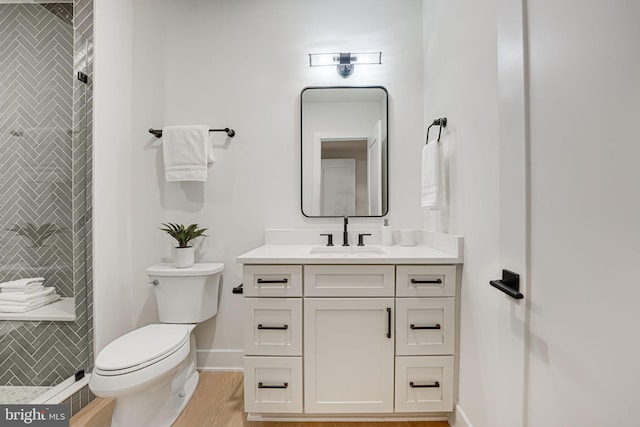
(218, 402)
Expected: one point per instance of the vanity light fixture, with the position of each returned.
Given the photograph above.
(344, 60)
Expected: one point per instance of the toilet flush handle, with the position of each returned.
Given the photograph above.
(155, 282)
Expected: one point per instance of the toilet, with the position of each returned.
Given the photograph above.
(151, 371)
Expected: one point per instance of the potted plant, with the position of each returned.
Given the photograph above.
(183, 255)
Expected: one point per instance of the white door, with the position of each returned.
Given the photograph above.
(338, 187)
(348, 355)
(510, 314)
(374, 169)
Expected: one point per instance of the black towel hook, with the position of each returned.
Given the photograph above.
(442, 123)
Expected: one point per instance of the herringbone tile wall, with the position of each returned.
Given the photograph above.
(45, 146)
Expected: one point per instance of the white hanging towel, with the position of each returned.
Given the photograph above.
(187, 152)
(433, 177)
(22, 284)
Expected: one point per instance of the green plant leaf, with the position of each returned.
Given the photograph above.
(181, 234)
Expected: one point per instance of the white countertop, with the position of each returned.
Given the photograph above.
(300, 254)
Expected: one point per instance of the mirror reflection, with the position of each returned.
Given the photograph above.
(344, 151)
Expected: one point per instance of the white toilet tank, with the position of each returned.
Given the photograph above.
(186, 295)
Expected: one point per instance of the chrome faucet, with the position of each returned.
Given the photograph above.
(345, 234)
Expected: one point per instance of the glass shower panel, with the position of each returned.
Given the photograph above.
(43, 170)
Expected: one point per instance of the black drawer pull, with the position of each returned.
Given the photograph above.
(435, 385)
(436, 326)
(273, 280)
(278, 328)
(426, 281)
(285, 385)
(388, 322)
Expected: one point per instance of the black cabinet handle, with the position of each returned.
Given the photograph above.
(273, 280)
(238, 289)
(388, 322)
(285, 385)
(509, 284)
(436, 326)
(426, 281)
(434, 385)
(278, 328)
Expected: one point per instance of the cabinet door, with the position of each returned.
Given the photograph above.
(272, 280)
(348, 355)
(273, 326)
(424, 383)
(425, 326)
(273, 384)
(348, 280)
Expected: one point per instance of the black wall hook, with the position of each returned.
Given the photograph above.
(442, 123)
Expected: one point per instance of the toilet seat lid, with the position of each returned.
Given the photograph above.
(141, 346)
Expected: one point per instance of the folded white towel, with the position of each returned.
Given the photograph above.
(24, 297)
(28, 290)
(433, 177)
(26, 303)
(22, 283)
(24, 308)
(186, 151)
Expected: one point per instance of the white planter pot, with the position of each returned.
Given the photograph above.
(184, 257)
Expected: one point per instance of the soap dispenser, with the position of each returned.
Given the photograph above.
(386, 234)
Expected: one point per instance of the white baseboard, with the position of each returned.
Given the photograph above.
(340, 418)
(220, 360)
(460, 419)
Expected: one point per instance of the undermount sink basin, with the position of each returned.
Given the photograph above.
(339, 251)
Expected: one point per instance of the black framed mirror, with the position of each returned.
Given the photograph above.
(344, 151)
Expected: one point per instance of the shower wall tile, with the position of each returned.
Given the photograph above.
(45, 174)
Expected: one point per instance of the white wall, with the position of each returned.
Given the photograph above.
(585, 145)
(460, 55)
(243, 64)
(112, 170)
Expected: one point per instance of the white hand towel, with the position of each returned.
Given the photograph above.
(22, 283)
(24, 308)
(433, 177)
(24, 297)
(186, 151)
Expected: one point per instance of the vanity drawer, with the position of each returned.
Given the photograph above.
(273, 326)
(424, 384)
(425, 326)
(425, 281)
(348, 280)
(272, 280)
(273, 384)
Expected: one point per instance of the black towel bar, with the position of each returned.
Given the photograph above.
(230, 132)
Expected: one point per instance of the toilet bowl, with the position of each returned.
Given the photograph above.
(151, 371)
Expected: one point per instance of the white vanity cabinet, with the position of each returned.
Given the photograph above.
(344, 339)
